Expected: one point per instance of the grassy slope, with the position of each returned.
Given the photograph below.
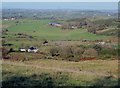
(44, 31)
(99, 72)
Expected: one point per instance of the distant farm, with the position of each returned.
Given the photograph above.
(26, 33)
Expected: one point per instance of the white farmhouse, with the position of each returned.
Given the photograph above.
(22, 50)
(32, 49)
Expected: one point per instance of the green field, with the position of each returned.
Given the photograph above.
(43, 69)
(44, 31)
(61, 47)
(40, 30)
(84, 56)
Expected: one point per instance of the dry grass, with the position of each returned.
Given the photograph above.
(96, 68)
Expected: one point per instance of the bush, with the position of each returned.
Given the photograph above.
(67, 53)
(78, 51)
(108, 53)
(90, 53)
(72, 53)
(5, 52)
(11, 50)
(98, 48)
(55, 51)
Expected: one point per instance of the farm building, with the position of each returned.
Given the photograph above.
(5, 19)
(55, 24)
(22, 49)
(12, 18)
(74, 27)
(32, 49)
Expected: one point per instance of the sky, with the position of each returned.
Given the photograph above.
(61, 5)
(60, 0)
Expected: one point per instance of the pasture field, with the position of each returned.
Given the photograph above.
(60, 73)
(36, 31)
(40, 29)
(72, 57)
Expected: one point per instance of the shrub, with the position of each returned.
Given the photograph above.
(108, 53)
(55, 51)
(72, 53)
(98, 48)
(11, 50)
(5, 52)
(90, 53)
(78, 51)
(67, 52)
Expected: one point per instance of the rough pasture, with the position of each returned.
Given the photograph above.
(60, 73)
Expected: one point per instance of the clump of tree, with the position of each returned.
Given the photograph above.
(90, 53)
(92, 29)
(67, 53)
(98, 48)
(55, 51)
(5, 31)
(5, 53)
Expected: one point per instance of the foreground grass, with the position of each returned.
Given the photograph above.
(60, 73)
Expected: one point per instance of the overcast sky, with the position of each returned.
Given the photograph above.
(60, 0)
(61, 5)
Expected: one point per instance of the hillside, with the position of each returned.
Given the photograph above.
(48, 48)
(60, 73)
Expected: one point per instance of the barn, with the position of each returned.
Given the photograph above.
(55, 24)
